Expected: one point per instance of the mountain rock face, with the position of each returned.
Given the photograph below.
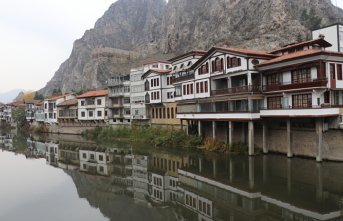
(133, 30)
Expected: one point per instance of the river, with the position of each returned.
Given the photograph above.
(68, 178)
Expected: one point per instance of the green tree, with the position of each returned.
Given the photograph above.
(38, 96)
(18, 115)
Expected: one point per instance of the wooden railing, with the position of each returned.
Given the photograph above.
(182, 78)
(295, 85)
(238, 90)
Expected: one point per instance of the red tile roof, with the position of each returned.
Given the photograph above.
(98, 93)
(36, 102)
(70, 102)
(191, 53)
(57, 97)
(291, 56)
(319, 41)
(157, 71)
(16, 104)
(156, 61)
(244, 52)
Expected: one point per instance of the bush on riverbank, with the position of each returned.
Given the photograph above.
(158, 137)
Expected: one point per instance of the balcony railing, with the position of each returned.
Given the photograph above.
(303, 107)
(238, 90)
(295, 85)
(116, 94)
(182, 76)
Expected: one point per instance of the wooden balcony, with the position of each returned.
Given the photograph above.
(238, 90)
(183, 78)
(284, 86)
(302, 111)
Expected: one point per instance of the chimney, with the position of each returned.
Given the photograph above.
(321, 36)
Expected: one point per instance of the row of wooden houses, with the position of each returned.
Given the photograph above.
(263, 99)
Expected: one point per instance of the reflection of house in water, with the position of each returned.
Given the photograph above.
(2, 141)
(69, 153)
(122, 167)
(95, 160)
(140, 177)
(52, 153)
(228, 189)
(7, 142)
(163, 176)
(35, 149)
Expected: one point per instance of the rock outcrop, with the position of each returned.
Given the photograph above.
(154, 28)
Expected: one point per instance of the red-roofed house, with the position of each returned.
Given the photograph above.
(222, 91)
(67, 111)
(50, 107)
(92, 106)
(303, 89)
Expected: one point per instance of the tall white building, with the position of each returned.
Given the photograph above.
(333, 34)
(138, 108)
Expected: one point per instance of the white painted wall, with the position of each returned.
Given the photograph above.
(330, 36)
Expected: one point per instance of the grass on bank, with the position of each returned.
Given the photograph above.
(158, 137)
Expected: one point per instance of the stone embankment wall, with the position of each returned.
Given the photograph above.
(304, 143)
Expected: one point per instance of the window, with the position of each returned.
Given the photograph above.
(206, 86)
(168, 113)
(172, 113)
(82, 103)
(83, 114)
(90, 114)
(302, 100)
(169, 81)
(274, 102)
(101, 158)
(164, 113)
(228, 62)
(153, 113)
(332, 71)
(203, 69)
(99, 113)
(197, 88)
(92, 156)
(98, 101)
(101, 169)
(54, 115)
(273, 79)
(84, 156)
(327, 97)
(46, 106)
(219, 64)
(339, 72)
(301, 76)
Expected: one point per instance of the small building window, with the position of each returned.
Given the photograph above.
(83, 114)
(98, 102)
(99, 113)
(90, 113)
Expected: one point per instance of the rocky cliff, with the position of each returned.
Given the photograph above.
(154, 28)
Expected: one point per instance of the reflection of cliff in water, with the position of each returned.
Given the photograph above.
(114, 201)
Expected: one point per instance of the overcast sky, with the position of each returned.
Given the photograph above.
(37, 36)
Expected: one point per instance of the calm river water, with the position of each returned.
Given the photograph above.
(66, 178)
